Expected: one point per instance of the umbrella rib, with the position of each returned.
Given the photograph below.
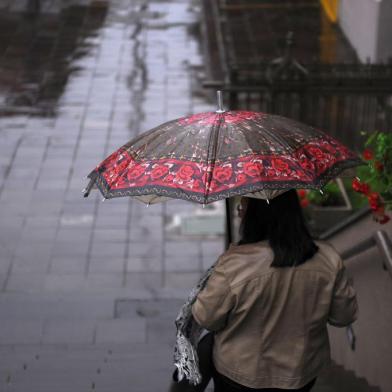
(213, 142)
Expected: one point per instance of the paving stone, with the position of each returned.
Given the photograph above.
(16, 332)
(186, 280)
(99, 264)
(144, 264)
(148, 250)
(45, 208)
(121, 331)
(25, 264)
(64, 282)
(104, 280)
(140, 233)
(111, 222)
(212, 248)
(77, 220)
(151, 309)
(33, 234)
(42, 222)
(74, 234)
(25, 282)
(109, 235)
(107, 249)
(177, 248)
(182, 263)
(69, 306)
(161, 330)
(68, 264)
(144, 280)
(66, 331)
(30, 248)
(74, 248)
(5, 262)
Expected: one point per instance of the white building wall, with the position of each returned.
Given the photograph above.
(384, 48)
(359, 21)
(368, 26)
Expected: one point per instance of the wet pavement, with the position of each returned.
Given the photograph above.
(90, 290)
(81, 278)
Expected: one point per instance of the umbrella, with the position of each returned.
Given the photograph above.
(211, 156)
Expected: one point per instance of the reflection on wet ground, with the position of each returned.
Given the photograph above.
(39, 51)
(79, 79)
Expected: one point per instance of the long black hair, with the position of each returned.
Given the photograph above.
(282, 223)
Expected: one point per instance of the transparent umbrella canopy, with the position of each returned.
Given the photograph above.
(212, 156)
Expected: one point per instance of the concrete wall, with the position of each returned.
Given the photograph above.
(367, 25)
(373, 356)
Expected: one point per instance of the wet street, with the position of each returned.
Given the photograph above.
(90, 289)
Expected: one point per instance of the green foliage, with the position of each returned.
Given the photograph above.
(331, 196)
(380, 180)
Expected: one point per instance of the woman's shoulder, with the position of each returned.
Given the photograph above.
(243, 249)
(328, 255)
(239, 256)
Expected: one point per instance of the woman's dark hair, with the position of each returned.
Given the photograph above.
(282, 223)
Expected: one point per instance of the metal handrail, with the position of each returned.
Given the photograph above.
(380, 239)
(344, 223)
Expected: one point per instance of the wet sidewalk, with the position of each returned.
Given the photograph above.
(89, 290)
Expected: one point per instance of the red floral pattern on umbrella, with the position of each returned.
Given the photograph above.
(211, 156)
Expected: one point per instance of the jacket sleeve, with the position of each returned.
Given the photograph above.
(213, 304)
(344, 307)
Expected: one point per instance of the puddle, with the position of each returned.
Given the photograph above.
(77, 220)
(39, 51)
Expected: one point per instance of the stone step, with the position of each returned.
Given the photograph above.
(339, 379)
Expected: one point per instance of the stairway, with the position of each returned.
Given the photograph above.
(338, 379)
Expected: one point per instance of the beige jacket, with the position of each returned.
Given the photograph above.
(271, 323)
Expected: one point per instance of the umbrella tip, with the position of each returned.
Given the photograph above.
(268, 201)
(220, 102)
(321, 191)
(86, 191)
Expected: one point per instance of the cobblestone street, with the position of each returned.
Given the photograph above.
(90, 290)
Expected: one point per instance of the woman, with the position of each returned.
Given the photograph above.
(269, 299)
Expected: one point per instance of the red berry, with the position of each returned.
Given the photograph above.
(365, 188)
(373, 196)
(379, 166)
(301, 193)
(367, 154)
(356, 185)
(305, 202)
(384, 219)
